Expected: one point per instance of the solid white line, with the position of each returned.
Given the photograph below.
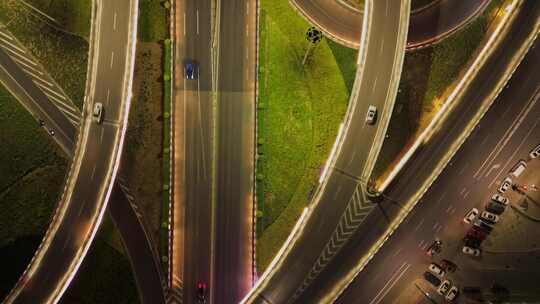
(112, 59)
(463, 190)
(463, 168)
(10, 44)
(197, 22)
(20, 56)
(114, 21)
(515, 151)
(393, 280)
(419, 224)
(108, 96)
(93, 172)
(6, 35)
(26, 65)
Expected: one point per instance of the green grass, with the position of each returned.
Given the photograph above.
(153, 21)
(72, 15)
(32, 173)
(427, 73)
(299, 115)
(63, 55)
(164, 236)
(104, 277)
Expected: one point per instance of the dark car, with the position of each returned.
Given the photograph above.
(476, 233)
(190, 70)
(201, 292)
(448, 265)
(471, 242)
(41, 122)
(434, 248)
(483, 226)
(430, 277)
(495, 208)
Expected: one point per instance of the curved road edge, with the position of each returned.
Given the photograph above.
(26, 289)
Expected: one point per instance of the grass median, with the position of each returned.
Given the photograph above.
(427, 75)
(300, 109)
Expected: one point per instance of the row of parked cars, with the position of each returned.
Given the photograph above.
(436, 276)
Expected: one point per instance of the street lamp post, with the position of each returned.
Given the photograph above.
(314, 36)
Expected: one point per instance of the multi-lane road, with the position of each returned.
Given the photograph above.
(237, 74)
(428, 25)
(97, 153)
(340, 202)
(192, 117)
(504, 135)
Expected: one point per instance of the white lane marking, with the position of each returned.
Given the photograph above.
(463, 168)
(101, 136)
(438, 228)
(197, 22)
(506, 136)
(435, 225)
(421, 244)
(515, 151)
(493, 168)
(443, 195)
(419, 224)
(27, 65)
(397, 252)
(93, 172)
(184, 24)
(114, 21)
(6, 35)
(463, 190)
(112, 59)
(10, 44)
(466, 194)
(374, 84)
(108, 96)
(391, 282)
(247, 8)
(449, 208)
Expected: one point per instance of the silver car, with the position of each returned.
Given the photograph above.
(371, 115)
(97, 114)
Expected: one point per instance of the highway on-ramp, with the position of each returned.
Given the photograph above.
(96, 160)
(429, 25)
(340, 203)
(504, 135)
(130, 224)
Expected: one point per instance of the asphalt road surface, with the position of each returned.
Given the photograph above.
(192, 139)
(51, 269)
(425, 27)
(440, 211)
(137, 242)
(235, 151)
(341, 191)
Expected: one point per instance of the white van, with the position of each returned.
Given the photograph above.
(518, 168)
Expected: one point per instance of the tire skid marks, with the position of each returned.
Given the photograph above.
(357, 210)
(39, 76)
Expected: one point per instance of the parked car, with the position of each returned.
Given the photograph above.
(448, 265)
(471, 242)
(483, 226)
(495, 208)
(535, 152)
(500, 199)
(470, 216)
(452, 293)
(436, 270)
(471, 251)
(476, 233)
(489, 217)
(445, 286)
(505, 185)
(431, 278)
(518, 168)
(51, 132)
(41, 122)
(97, 114)
(434, 248)
(371, 115)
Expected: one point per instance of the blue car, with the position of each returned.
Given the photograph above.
(190, 71)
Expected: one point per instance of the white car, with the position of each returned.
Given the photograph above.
(500, 199)
(471, 251)
(489, 217)
(452, 294)
(444, 287)
(535, 152)
(470, 216)
(371, 115)
(97, 114)
(436, 270)
(505, 185)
